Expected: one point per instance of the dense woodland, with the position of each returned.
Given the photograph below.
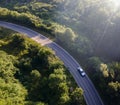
(88, 29)
(32, 75)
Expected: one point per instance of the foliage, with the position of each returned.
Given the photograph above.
(31, 74)
(108, 77)
(77, 97)
(89, 29)
(11, 91)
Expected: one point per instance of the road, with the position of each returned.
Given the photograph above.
(90, 94)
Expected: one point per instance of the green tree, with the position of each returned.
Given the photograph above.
(113, 92)
(77, 97)
(67, 37)
(104, 70)
(7, 68)
(12, 93)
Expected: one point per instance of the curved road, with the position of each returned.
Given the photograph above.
(90, 94)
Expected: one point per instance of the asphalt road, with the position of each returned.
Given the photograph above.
(90, 94)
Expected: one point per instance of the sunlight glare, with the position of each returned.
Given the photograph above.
(116, 3)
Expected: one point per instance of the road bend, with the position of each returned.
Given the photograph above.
(90, 94)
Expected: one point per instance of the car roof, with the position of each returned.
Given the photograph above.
(79, 68)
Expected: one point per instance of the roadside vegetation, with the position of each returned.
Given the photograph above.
(32, 75)
(88, 29)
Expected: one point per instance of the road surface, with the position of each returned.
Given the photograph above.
(90, 94)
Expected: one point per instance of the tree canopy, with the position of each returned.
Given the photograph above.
(88, 29)
(31, 74)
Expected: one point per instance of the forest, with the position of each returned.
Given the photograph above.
(88, 29)
(31, 74)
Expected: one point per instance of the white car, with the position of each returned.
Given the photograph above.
(81, 71)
